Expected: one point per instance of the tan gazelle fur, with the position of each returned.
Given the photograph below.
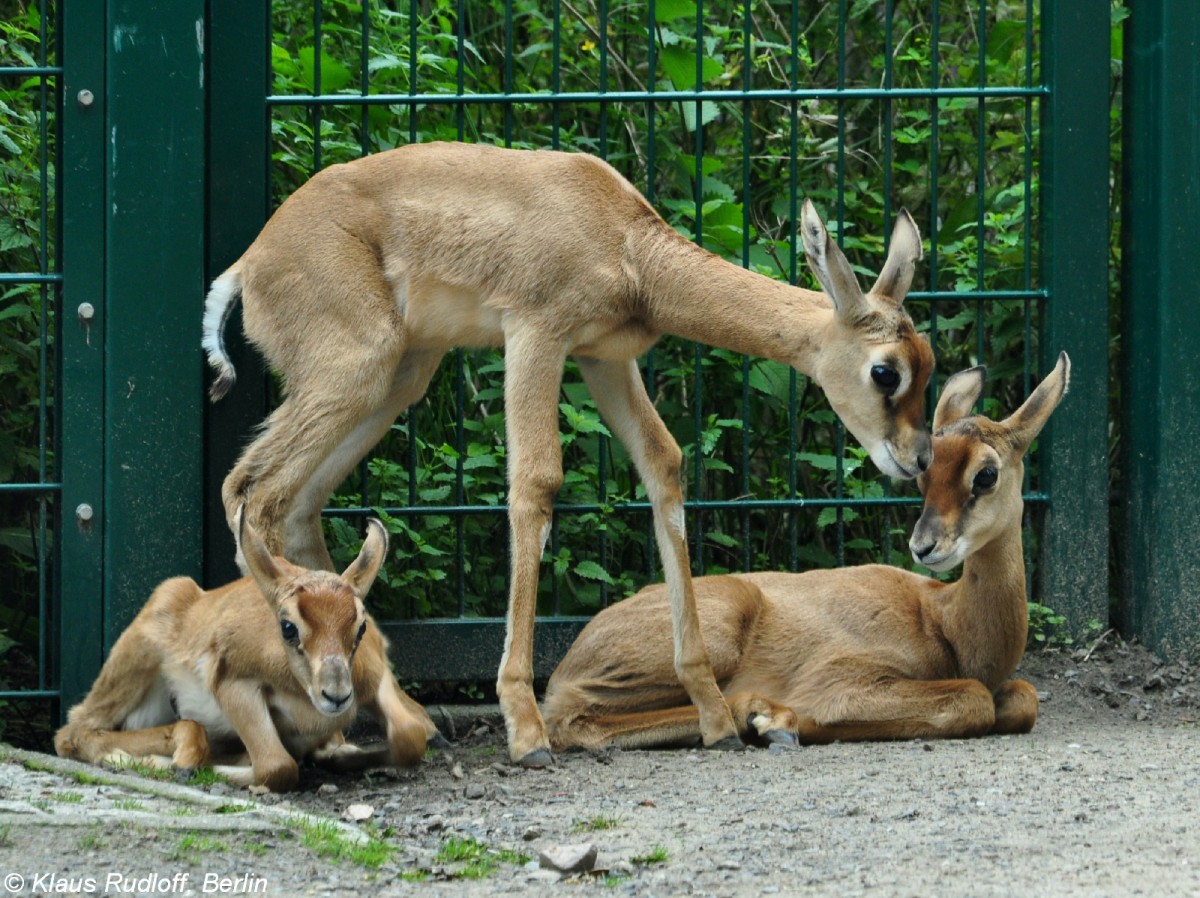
(371, 272)
(858, 653)
(272, 667)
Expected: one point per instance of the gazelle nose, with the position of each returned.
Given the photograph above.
(922, 552)
(923, 462)
(335, 699)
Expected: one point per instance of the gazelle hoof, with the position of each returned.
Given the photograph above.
(781, 737)
(729, 743)
(537, 759)
(438, 741)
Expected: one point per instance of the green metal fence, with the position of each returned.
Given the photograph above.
(172, 130)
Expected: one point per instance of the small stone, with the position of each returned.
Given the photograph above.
(531, 833)
(569, 859)
(358, 812)
(327, 788)
(457, 771)
(474, 791)
(729, 865)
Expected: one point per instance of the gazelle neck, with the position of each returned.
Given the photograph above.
(691, 293)
(985, 615)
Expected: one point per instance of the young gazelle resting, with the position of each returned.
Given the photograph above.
(860, 653)
(256, 675)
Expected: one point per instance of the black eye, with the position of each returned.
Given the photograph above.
(886, 378)
(985, 480)
(361, 630)
(289, 631)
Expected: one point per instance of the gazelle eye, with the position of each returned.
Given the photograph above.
(985, 480)
(361, 631)
(885, 378)
(289, 631)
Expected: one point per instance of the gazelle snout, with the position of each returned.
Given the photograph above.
(934, 544)
(332, 691)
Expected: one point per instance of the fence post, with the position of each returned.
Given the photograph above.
(80, 388)
(1160, 330)
(238, 189)
(154, 239)
(1073, 457)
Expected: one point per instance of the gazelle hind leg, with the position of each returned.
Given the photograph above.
(337, 365)
(621, 397)
(303, 537)
(873, 704)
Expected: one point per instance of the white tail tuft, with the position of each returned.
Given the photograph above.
(217, 307)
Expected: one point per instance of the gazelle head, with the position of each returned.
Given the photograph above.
(872, 364)
(973, 488)
(321, 614)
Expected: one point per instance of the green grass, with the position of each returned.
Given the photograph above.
(325, 839)
(596, 824)
(90, 841)
(129, 804)
(233, 809)
(87, 779)
(205, 776)
(67, 797)
(477, 859)
(5, 836)
(194, 844)
(657, 855)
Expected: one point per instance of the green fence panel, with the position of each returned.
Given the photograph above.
(1160, 327)
(1074, 449)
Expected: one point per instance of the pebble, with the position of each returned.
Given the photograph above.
(327, 789)
(568, 859)
(474, 791)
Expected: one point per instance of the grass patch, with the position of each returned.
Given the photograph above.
(233, 808)
(67, 797)
(255, 848)
(325, 839)
(657, 855)
(87, 779)
(205, 776)
(90, 841)
(476, 859)
(192, 845)
(129, 804)
(414, 875)
(596, 824)
(5, 835)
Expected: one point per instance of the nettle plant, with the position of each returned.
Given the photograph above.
(721, 170)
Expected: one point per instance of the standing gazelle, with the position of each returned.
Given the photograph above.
(272, 667)
(858, 653)
(373, 270)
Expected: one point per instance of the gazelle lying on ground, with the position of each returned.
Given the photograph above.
(277, 663)
(373, 270)
(859, 653)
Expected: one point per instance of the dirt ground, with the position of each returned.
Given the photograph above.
(1102, 799)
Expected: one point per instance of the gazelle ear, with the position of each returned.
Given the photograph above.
(259, 560)
(904, 252)
(1027, 422)
(362, 570)
(959, 395)
(830, 266)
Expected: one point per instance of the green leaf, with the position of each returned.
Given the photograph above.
(680, 65)
(592, 571)
(670, 10)
(334, 75)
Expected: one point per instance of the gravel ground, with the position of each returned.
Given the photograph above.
(1102, 799)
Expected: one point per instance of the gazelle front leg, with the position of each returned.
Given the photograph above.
(621, 397)
(533, 364)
